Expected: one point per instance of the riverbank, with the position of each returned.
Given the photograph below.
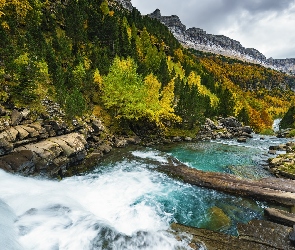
(55, 149)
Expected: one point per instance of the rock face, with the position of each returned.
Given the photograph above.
(198, 39)
(126, 4)
(50, 146)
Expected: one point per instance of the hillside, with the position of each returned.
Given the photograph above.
(97, 57)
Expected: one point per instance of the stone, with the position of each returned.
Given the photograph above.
(32, 132)
(133, 140)
(16, 117)
(271, 235)
(176, 139)
(280, 216)
(218, 219)
(22, 134)
(97, 126)
(67, 150)
(120, 143)
(5, 147)
(256, 235)
(25, 113)
(21, 161)
(12, 133)
(242, 139)
(105, 148)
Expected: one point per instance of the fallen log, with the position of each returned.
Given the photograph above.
(274, 190)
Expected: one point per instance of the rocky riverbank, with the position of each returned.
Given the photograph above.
(283, 165)
(257, 234)
(51, 146)
(224, 128)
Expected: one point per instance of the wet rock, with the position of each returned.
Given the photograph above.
(176, 139)
(280, 216)
(258, 235)
(270, 234)
(242, 139)
(218, 219)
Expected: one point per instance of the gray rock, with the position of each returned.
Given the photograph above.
(120, 143)
(25, 113)
(5, 146)
(16, 117)
(97, 126)
(22, 134)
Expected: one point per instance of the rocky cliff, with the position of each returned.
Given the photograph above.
(198, 39)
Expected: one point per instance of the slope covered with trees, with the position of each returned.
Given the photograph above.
(95, 56)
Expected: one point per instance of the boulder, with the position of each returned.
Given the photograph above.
(230, 122)
(22, 133)
(242, 139)
(218, 219)
(20, 162)
(16, 117)
(5, 146)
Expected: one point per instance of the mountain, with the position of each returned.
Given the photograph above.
(198, 39)
(103, 58)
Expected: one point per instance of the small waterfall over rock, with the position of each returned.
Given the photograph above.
(276, 125)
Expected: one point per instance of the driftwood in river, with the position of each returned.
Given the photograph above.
(275, 190)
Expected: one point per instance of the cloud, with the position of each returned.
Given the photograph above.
(267, 25)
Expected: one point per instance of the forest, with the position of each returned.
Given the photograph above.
(95, 57)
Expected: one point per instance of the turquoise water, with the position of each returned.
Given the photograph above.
(124, 203)
(227, 156)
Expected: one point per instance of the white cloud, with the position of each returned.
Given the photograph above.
(266, 25)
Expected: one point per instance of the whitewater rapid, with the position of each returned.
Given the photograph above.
(124, 203)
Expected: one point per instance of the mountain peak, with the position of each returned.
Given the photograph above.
(198, 39)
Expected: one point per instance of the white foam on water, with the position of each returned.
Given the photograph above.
(151, 154)
(94, 211)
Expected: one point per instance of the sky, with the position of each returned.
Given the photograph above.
(266, 25)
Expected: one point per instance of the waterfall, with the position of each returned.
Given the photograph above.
(276, 125)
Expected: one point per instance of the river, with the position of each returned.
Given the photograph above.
(124, 203)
